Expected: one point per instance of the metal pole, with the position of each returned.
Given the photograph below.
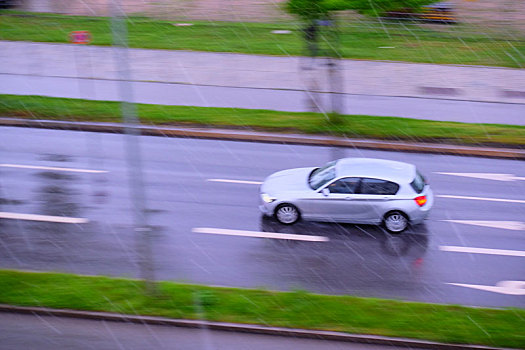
(310, 33)
(334, 70)
(133, 157)
(335, 81)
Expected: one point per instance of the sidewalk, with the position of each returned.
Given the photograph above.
(467, 83)
(242, 328)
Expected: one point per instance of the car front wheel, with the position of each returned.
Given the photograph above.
(395, 222)
(287, 214)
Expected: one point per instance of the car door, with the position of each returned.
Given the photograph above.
(377, 196)
(339, 201)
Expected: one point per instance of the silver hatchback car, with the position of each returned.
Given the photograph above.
(353, 190)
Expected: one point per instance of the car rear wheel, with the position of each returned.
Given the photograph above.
(287, 214)
(395, 222)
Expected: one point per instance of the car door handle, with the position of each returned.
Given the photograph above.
(348, 198)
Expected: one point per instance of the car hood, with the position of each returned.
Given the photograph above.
(287, 180)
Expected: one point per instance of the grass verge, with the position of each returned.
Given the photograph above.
(372, 40)
(443, 323)
(354, 126)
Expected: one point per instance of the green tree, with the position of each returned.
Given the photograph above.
(318, 17)
(317, 9)
(313, 12)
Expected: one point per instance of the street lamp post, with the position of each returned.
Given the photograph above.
(133, 157)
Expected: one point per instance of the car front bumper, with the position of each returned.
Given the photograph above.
(265, 210)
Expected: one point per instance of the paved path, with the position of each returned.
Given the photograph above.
(422, 91)
(50, 332)
(237, 70)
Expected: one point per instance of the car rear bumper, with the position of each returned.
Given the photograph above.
(418, 216)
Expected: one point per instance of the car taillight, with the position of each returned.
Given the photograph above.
(421, 200)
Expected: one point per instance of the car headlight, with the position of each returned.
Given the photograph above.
(267, 198)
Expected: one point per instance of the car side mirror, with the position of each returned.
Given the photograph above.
(325, 192)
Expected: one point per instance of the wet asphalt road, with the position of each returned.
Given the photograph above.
(47, 332)
(360, 260)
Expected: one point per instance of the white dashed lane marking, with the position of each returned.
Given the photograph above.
(472, 250)
(487, 176)
(20, 166)
(257, 234)
(288, 236)
(502, 287)
(507, 225)
(481, 198)
(46, 218)
(236, 181)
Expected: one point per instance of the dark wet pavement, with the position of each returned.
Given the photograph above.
(359, 260)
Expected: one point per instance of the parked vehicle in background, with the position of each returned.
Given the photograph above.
(6, 4)
(353, 190)
(441, 12)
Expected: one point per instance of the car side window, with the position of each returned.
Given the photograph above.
(348, 185)
(377, 186)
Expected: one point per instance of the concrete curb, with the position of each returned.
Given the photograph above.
(250, 136)
(245, 328)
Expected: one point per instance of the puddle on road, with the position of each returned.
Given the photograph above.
(56, 158)
(52, 175)
(8, 201)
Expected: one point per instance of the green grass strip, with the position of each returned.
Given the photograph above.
(299, 309)
(353, 126)
(460, 44)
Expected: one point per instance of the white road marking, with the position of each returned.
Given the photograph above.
(52, 168)
(502, 287)
(507, 225)
(47, 218)
(486, 176)
(506, 252)
(236, 181)
(481, 198)
(256, 234)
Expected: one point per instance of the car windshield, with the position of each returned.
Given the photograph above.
(321, 176)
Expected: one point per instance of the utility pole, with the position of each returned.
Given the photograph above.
(133, 157)
(311, 34)
(335, 80)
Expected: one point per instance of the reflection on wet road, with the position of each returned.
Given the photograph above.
(356, 258)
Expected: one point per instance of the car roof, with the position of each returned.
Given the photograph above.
(390, 170)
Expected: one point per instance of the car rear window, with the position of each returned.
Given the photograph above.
(419, 183)
(377, 186)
